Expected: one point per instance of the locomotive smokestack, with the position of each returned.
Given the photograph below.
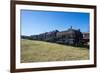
(71, 27)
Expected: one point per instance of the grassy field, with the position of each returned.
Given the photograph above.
(39, 51)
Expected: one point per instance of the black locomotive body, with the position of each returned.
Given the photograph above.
(70, 36)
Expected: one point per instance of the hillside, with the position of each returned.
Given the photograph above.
(39, 51)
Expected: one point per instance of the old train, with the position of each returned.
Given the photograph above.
(70, 36)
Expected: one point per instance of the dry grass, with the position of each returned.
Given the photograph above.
(39, 51)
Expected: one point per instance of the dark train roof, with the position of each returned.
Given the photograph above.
(52, 32)
(67, 32)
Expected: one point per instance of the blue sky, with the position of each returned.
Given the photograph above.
(36, 22)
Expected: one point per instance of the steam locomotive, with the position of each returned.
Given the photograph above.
(70, 36)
